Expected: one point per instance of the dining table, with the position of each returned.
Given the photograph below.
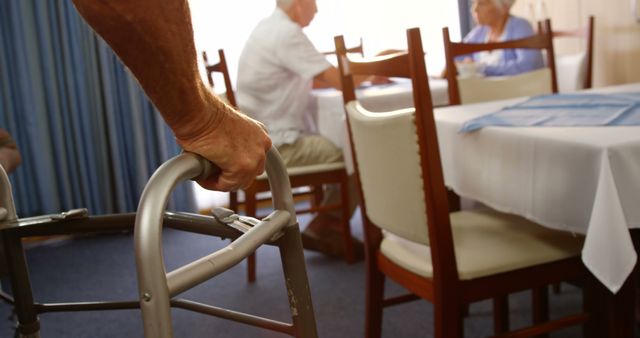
(580, 179)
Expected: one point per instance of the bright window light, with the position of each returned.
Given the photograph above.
(380, 23)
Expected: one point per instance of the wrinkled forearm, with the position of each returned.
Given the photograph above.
(154, 39)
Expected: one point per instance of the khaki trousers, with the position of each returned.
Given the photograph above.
(316, 149)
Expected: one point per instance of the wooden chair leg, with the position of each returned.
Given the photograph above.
(349, 254)
(318, 195)
(501, 314)
(448, 321)
(454, 200)
(465, 310)
(233, 201)
(592, 301)
(610, 315)
(540, 306)
(374, 300)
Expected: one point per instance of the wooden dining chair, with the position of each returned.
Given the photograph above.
(307, 181)
(220, 67)
(449, 259)
(470, 89)
(575, 70)
(357, 49)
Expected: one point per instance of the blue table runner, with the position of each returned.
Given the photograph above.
(616, 109)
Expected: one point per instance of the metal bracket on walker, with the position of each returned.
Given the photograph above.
(241, 223)
(230, 218)
(66, 215)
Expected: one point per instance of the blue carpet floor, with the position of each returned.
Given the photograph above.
(102, 267)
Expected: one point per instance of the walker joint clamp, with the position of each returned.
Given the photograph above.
(230, 218)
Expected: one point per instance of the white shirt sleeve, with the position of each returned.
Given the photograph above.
(300, 56)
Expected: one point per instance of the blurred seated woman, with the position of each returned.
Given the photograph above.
(495, 24)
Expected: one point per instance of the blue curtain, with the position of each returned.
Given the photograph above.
(88, 135)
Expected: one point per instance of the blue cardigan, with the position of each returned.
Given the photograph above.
(513, 61)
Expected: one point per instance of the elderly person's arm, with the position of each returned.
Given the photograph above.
(517, 61)
(154, 38)
(330, 78)
(9, 155)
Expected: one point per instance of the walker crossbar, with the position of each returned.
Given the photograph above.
(240, 317)
(194, 223)
(205, 268)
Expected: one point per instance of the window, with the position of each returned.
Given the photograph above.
(380, 23)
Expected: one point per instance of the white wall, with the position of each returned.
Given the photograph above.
(616, 36)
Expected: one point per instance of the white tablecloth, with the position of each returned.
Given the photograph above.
(328, 109)
(580, 179)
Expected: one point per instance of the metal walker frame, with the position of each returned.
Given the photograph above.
(157, 288)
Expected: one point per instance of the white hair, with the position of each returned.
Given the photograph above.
(501, 3)
(284, 4)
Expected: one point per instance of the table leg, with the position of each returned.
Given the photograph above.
(612, 315)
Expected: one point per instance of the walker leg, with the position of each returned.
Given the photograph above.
(28, 323)
(295, 275)
(251, 209)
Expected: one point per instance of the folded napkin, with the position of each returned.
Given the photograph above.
(616, 109)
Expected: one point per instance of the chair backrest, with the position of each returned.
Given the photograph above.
(396, 155)
(463, 89)
(355, 50)
(575, 71)
(220, 67)
(482, 89)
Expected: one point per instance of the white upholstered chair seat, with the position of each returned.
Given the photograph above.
(487, 242)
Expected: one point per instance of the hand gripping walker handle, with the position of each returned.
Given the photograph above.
(154, 284)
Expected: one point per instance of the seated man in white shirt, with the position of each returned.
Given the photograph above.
(277, 69)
